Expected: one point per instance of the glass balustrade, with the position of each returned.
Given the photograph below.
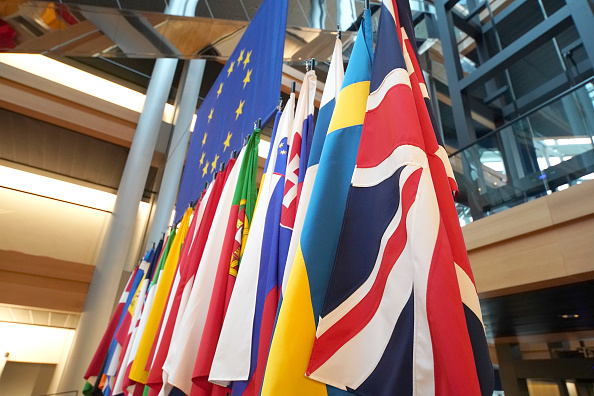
(545, 150)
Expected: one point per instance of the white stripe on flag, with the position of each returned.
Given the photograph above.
(423, 231)
(395, 77)
(306, 190)
(443, 155)
(402, 155)
(424, 90)
(232, 357)
(370, 343)
(347, 305)
(468, 293)
(233, 354)
(335, 75)
(181, 358)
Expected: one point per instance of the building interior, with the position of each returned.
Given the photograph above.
(512, 83)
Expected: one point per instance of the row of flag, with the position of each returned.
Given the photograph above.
(346, 272)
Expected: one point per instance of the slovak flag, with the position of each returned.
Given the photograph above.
(401, 314)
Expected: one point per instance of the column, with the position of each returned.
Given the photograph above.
(176, 155)
(111, 261)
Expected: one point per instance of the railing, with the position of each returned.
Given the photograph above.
(67, 393)
(547, 149)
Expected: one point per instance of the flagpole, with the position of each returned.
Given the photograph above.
(111, 260)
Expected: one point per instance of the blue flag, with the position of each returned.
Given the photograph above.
(247, 88)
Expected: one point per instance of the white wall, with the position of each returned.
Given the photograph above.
(35, 344)
(47, 227)
(43, 226)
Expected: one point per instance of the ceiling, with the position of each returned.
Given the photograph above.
(39, 317)
(543, 311)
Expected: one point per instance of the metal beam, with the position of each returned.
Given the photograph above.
(449, 4)
(538, 35)
(460, 104)
(509, 10)
(546, 91)
(477, 8)
(583, 17)
(467, 26)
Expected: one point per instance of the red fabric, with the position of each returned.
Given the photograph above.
(216, 310)
(155, 378)
(7, 35)
(452, 351)
(266, 330)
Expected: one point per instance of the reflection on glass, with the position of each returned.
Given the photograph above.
(91, 31)
(545, 151)
(317, 14)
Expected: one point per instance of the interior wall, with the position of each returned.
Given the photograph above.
(47, 227)
(20, 379)
(543, 388)
(34, 346)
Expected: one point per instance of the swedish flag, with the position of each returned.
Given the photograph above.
(247, 88)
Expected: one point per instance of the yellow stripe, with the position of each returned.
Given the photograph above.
(293, 339)
(137, 371)
(259, 190)
(350, 106)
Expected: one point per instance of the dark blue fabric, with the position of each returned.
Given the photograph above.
(326, 208)
(259, 95)
(369, 210)
(306, 139)
(176, 392)
(393, 375)
(480, 349)
(273, 136)
(388, 51)
(154, 259)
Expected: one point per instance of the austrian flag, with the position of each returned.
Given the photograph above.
(401, 314)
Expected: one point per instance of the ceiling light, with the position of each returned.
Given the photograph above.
(569, 316)
(48, 187)
(81, 81)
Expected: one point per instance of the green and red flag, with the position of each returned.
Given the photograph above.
(238, 225)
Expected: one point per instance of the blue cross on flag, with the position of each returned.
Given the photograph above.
(247, 88)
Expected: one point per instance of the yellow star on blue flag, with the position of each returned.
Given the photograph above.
(247, 88)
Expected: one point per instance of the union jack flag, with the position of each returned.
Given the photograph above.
(401, 314)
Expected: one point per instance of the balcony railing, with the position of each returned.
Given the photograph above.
(545, 150)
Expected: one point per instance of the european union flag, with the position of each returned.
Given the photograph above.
(248, 88)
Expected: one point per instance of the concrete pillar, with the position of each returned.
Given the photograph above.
(111, 261)
(186, 107)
